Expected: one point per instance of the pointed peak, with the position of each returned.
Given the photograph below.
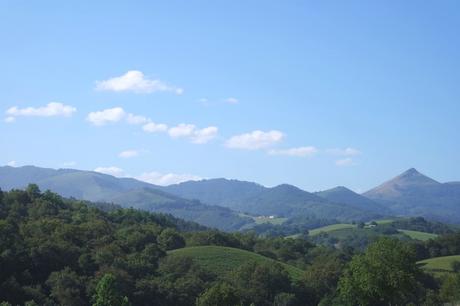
(411, 171)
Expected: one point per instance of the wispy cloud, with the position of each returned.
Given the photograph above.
(254, 140)
(105, 116)
(296, 152)
(182, 130)
(345, 162)
(12, 163)
(164, 179)
(135, 81)
(153, 127)
(112, 170)
(196, 135)
(52, 109)
(128, 154)
(344, 152)
(232, 100)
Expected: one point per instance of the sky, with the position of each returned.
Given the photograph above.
(311, 93)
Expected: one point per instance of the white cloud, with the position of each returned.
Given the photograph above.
(153, 127)
(12, 163)
(232, 100)
(190, 131)
(344, 152)
(115, 171)
(198, 136)
(10, 119)
(204, 135)
(69, 164)
(254, 140)
(136, 119)
(181, 130)
(297, 152)
(158, 178)
(135, 81)
(345, 162)
(105, 116)
(128, 154)
(52, 109)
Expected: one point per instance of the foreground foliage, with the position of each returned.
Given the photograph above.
(56, 251)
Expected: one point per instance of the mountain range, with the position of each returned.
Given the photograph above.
(415, 194)
(232, 204)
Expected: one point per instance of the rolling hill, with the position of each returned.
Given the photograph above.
(221, 260)
(127, 192)
(352, 199)
(282, 200)
(414, 194)
(439, 265)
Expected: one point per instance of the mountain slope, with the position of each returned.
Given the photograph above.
(346, 196)
(283, 200)
(414, 194)
(127, 192)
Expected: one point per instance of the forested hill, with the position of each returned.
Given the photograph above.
(56, 251)
(127, 192)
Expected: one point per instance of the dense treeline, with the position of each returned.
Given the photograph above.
(56, 251)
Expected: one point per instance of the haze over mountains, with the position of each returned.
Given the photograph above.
(226, 204)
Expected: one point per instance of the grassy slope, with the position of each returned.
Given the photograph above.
(330, 228)
(422, 236)
(222, 260)
(439, 265)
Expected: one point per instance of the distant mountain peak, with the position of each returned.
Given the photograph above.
(408, 180)
(413, 176)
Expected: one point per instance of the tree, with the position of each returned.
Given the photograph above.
(455, 265)
(260, 282)
(67, 287)
(322, 275)
(170, 239)
(221, 294)
(450, 289)
(33, 191)
(107, 293)
(386, 274)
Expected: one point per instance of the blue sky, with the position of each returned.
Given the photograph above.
(312, 93)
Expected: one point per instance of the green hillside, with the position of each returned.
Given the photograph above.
(422, 236)
(222, 260)
(331, 228)
(439, 265)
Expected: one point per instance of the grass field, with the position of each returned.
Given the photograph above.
(222, 260)
(439, 265)
(418, 235)
(330, 228)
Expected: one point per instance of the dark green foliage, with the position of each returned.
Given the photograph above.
(386, 274)
(455, 266)
(170, 239)
(59, 251)
(259, 283)
(422, 225)
(108, 293)
(450, 289)
(221, 294)
(67, 287)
